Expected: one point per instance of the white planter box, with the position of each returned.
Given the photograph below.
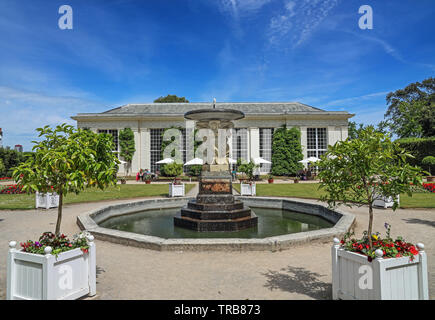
(176, 190)
(247, 189)
(385, 202)
(47, 200)
(44, 277)
(355, 278)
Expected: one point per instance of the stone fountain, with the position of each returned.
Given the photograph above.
(215, 208)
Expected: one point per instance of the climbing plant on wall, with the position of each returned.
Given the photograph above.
(286, 151)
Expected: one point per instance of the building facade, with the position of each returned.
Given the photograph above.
(251, 138)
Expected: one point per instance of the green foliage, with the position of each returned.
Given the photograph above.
(2, 168)
(10, 159)
(126, 144)
(354, 129)
(195, 170)
(171, 98)
(411, 111)
(247, 168)
(356, 172)
(429, 161)
(68, 160)
(172, 169)
(286, 152)
(419, 148)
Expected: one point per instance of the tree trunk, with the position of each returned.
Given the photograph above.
(369, 231)
(59, 214)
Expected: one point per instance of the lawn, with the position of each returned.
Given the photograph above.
(126, 191)
(310, 191)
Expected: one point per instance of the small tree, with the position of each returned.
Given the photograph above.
(172, 169)
(286, 151)
(171, 98)
(68, 160)
(356, 172)
(430, 162)
(2, 168)
(247, 168)
(126, 143)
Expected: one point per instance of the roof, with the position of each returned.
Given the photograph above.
(179, 109)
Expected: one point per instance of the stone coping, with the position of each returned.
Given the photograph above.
(343, 222)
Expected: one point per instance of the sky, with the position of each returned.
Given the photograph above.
(120, 52)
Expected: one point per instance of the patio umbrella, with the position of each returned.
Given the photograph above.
(232, 161)
(165, 161)
(261, 160)
(123, 162)
(304, 161)
(313, 159)
(195, 161)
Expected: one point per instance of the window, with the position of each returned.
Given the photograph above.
(156, 148)
(316, 142)
(114, 134)
(266, 135)
(240, 144)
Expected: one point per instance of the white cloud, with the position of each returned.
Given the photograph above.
(301, 18)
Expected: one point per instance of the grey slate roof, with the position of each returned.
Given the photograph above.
(182, 108)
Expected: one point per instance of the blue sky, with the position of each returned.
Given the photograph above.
(122, 52)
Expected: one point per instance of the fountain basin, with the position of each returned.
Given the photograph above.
(341, 221)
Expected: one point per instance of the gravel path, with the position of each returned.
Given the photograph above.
(303, 272)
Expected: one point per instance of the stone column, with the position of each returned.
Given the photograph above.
(146, 149)
(254, 143)
(136, 156)
(304, 141)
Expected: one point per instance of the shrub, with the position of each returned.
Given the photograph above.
(419, 148)
(286, 152)
(172, 169)
(430, 162)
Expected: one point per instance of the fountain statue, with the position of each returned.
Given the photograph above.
(215, 208)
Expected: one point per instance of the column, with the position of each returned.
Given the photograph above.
(254, 142)
(146, 149)
(304, 141)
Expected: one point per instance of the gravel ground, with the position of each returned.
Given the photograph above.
(303, 272)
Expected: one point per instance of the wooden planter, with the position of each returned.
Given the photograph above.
(47, 200)
(248, 189)
(296, 180)
(147, 181)
(70, 275)
(355, 278)
(176, 190)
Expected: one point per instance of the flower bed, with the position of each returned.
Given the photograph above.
(429, 186)
(5, 178)
(12, 189)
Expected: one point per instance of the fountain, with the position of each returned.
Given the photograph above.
(215, 208)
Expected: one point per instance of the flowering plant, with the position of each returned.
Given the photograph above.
(391, 248)
(12, 189)
(58, 243)
(429, 186)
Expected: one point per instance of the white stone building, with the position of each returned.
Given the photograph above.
(252, 137)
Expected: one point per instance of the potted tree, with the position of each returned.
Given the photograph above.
(247, 168)
(356, 172)
(430, 162)
(176, 187)
(69, 160)
(147, 178)
(270, 178)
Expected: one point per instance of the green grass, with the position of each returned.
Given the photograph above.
(126, 191)
(310, 191)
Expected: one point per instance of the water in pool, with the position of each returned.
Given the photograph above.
(271, 222)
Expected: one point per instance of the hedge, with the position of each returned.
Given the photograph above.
(419, 148)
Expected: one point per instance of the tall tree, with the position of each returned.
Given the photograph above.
(126, 143)
(411, 111)
(68, 160)
(286, 151)
(171, 98)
